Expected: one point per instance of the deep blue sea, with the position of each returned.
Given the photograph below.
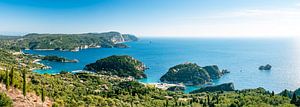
(240, 56)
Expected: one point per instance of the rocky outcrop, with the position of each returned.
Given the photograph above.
(266, 67)
(122, 66)
(222, 87)
(213, 71)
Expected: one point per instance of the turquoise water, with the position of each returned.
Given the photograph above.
(241, 56)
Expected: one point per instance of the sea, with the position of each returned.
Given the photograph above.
(241, 57)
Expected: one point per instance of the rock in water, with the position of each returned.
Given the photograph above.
(266, 67)
(122, 66)
(221, 87)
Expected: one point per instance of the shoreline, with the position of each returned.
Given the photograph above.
(163, 86)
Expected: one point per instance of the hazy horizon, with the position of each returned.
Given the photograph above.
(148, 18)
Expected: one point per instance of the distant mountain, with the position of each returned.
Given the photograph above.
(6, 37)
(67, 42)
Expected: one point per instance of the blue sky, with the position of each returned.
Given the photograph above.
(161, 18)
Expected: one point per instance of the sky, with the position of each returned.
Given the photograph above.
(153, 18)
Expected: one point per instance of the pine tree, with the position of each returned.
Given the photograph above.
(7, 80)
(294, 99)
(12, 76)
(24, 83)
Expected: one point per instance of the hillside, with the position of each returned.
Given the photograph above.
(68, 42)
(123, 66)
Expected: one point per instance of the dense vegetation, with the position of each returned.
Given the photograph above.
(123, 66)
(191, 74)
(7, 58)
(221, 87)
(5, 101)
(67, 41)
(86, 89)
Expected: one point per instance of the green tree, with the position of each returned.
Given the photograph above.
(208, 100)
(24, 83)
(5, 101)
(43, 95)
(7, 80)
(12, 76)
(294, 98)
(285, 93)
(272, 93)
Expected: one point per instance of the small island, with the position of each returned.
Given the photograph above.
(191, 74)
(266, 67)
(122, 66)
(59, 59)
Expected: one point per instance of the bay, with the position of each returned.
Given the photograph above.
(240, 56)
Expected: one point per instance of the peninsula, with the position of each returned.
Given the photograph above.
(67, 42)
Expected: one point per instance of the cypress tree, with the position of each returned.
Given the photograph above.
(167, 103)
(43, 95)
(131, 102)
(208, 100)
(24, 83)
(272, 93)
(217, 99)
(12, 76)
(294, 99)
(7, 80)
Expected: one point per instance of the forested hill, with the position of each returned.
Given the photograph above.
(68, 42)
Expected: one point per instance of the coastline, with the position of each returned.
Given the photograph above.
(163, 86)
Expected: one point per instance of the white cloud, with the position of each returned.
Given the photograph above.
(275, 13)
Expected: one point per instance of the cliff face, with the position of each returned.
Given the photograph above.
(123, 66)
(120, 38)
(188, 74)
(222, 87)
(213, 71)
